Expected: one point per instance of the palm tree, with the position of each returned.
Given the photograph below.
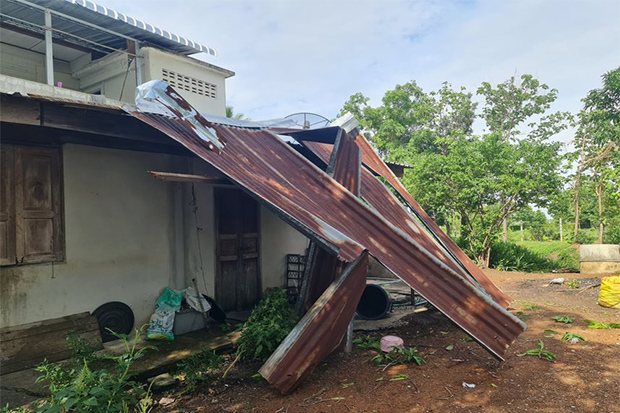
(230, 113)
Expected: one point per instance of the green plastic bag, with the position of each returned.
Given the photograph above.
(162, 321)
(169, 300)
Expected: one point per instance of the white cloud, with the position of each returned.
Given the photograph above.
(293, 56)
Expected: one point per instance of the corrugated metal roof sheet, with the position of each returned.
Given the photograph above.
(323, 209)
(102, 16)
(320, 331)
(320, 207)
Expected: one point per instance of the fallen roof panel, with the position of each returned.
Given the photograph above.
(376, 164)
(320, 331)
(309, 199)
(385, 203)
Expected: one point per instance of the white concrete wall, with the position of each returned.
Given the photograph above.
(128, 236)
(29, 65)
(118, 226)
(277, 239)
(155, 61)
(111, 76)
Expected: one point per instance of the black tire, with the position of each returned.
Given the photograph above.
(115, 316)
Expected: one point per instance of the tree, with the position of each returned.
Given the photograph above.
(511, 103)
(230, 113)
(598, 143)
(479, 179)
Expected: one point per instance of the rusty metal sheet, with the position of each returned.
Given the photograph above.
(327, 212)
(385, 203)
(320, 331)
(371, 159)
(324, 210)
(344, 166)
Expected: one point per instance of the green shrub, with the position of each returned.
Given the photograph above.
(506, 256)
(268, 325)
(587, 236)
(79, 387)
(199, 367)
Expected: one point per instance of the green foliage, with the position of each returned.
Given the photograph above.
(531, 307)
(539, 352)
(573, 285)
(572, 336)
(78, 387)
(564, 255)
(563, 319)
(597, 144)
(270, 322)
(601, 326)
(368, 343)
(550, 333)
(199, 367)
(81, 349)
(396, 356)
(400, 377)
(506, 256)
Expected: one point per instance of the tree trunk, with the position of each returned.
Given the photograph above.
(561, 231)
(505, 229)
(522, 236)
(578, 183)
(448, 232)
(599, 196)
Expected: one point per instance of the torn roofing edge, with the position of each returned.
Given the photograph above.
(493, 337)
(320, 331)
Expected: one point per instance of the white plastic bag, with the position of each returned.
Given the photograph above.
(191, 297)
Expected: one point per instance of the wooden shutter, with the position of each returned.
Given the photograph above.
(37, 205)
(7, 205)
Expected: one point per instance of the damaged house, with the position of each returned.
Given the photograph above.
(84, 223)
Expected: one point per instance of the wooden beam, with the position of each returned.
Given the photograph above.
(174, 177)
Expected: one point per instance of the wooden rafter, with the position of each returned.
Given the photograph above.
(175, 177)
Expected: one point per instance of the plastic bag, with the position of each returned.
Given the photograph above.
(610, 292)
(169, 300)
(160, 326)
(191, 298)
(162, 321)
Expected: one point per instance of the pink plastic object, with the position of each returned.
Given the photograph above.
(388, 343)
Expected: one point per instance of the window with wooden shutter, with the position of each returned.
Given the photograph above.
(31, 205)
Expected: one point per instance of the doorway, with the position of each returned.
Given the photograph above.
(237, 280)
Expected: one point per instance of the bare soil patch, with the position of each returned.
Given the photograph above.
(584, 378)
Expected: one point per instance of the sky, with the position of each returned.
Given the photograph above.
(310, 56)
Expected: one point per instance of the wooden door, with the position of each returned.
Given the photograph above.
(237, 281)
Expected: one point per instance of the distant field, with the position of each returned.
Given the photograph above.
(564, 253)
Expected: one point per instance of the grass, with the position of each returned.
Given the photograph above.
(563, 253)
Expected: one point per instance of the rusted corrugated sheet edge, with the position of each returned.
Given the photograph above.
(375, 163)
(344, 166)
(282, 176)
(372, 160)
(379, 197)
(320, 331)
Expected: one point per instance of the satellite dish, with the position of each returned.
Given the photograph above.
(307, 120)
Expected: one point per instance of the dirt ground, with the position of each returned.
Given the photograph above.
(585, 377)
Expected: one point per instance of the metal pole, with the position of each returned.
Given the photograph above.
(49, 51)
(137, 63)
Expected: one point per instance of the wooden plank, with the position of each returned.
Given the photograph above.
(27, 345)
(45, 326)
(93, 337)
(22, 111)
(176, 177)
